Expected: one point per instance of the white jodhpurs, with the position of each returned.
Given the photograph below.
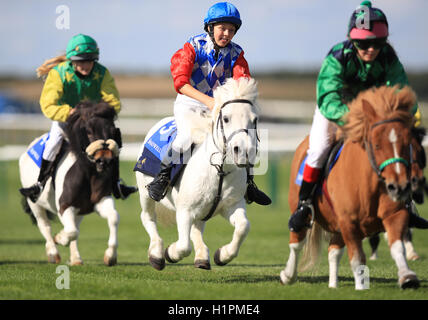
(321, 138)
(53, 145)
(188, 113)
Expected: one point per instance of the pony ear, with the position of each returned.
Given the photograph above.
(368, 110)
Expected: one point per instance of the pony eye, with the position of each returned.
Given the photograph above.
(226, 119)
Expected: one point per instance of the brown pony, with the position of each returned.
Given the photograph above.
(365, 191)
(418, 183)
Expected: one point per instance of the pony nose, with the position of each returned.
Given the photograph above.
(397, 191)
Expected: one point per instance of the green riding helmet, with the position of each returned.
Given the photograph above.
(82, 47)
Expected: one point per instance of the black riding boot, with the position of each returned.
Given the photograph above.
(298, 219)
(120, 190)
(158, 187)
(255, 194)
(415, 220)
(34, 191)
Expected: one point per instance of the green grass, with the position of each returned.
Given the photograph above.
(254, 274)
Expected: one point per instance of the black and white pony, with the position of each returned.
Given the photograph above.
(213, 182)
(82, 181)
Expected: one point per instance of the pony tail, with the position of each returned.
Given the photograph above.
(44, 69)
(312, 249)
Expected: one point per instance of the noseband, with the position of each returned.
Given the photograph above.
(383, 165)
(220, 172)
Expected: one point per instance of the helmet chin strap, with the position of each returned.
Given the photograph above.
(210, 32)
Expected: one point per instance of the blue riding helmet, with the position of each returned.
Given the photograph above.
(222, 12)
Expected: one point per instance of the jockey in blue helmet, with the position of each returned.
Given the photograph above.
(204, 63)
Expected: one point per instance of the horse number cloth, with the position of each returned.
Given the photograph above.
(36, 150)
(155, 149)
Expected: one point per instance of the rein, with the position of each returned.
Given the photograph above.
(219, 167)
(384, 164)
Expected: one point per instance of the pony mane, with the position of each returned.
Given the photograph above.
(84, 111)
(387, 102)
(242, 88)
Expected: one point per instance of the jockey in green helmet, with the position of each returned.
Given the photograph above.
(71, 78)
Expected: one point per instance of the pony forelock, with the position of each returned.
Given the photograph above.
(242, 88)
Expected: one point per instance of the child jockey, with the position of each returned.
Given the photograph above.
(204, 63)
(364, 60)
(72, 78)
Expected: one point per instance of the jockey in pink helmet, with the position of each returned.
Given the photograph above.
(364, 60)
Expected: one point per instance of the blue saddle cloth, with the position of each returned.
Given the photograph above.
(155, 149)
(330, 164)
(36, 150)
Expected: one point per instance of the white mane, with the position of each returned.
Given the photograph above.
(243, 88)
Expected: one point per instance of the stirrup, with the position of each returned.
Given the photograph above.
(158, 188)
(303, 204)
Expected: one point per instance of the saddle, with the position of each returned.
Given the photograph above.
(157, 147)
(35, 152)
(334, 154)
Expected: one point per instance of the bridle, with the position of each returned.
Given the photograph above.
(384, 164)
(223, 151)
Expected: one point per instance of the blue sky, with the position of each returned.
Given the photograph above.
(141, 36)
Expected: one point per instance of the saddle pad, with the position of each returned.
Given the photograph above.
(36, 150)
(155, 148)
(329, 165)
(159, 142)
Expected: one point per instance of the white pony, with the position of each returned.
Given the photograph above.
(224, 154)
(82, 183)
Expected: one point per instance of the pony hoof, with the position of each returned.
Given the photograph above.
(409, 282)
(54, 258)
(217, 259)
(286, 280)
(76, 263)
(168, 258)
(110, 261)
(413, 257)
(202, 264)
(158, 264)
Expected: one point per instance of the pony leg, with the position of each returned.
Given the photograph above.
(237, 218)
(70, 231)
(394, 225)
(45, 229)
(75, 259)
(182, 247)
(202, 255)
(148, 219)
(296, 243)
(107, 210)
(335, 253)
(352, 237)
(411, 254)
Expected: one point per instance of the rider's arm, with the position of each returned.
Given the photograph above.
(109, 92)
(51, 94)
(181, 69)
(329, 87)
